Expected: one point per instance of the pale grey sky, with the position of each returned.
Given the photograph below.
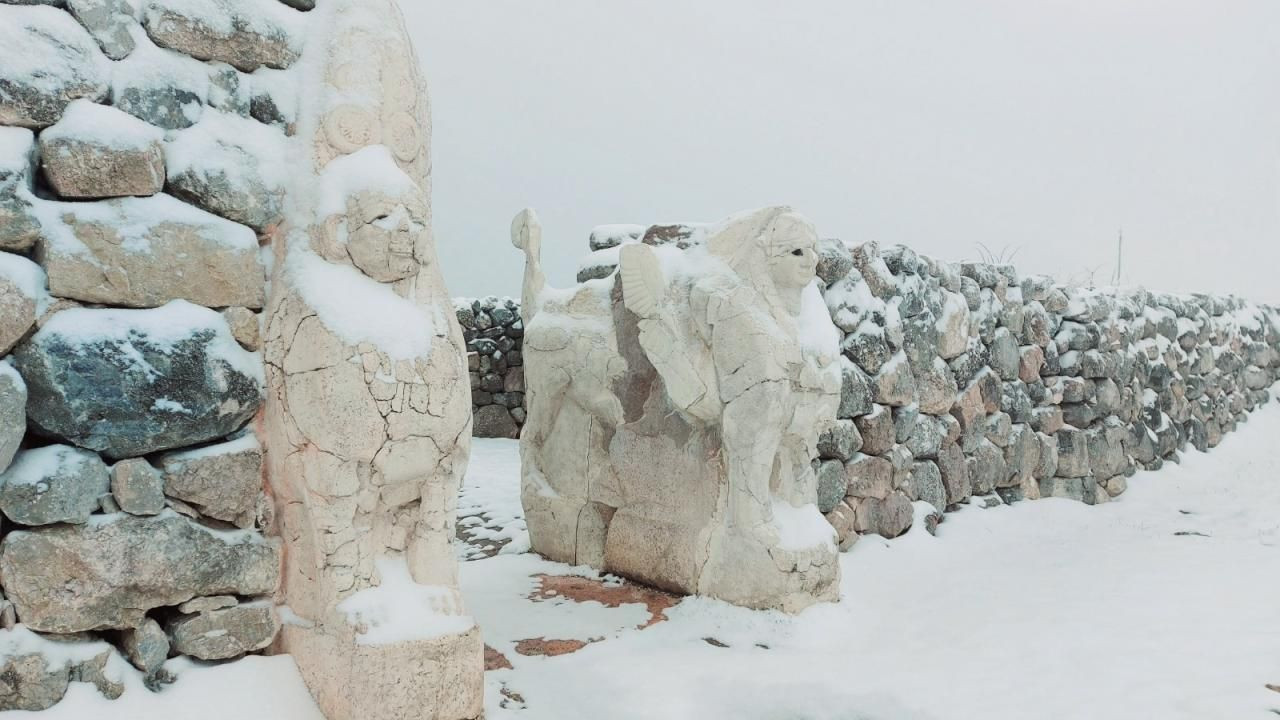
(1044, 126)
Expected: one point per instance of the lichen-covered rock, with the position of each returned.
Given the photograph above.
(221, 481)
(146, 646)
(138, 488)
(231, 166)
(145, 252)
(855, 391)
(28, 682)
(96, 151)
(833, 482)
(834, 260)
(123, 566)
(925, 483)
(894, 385)
(13, 413)
(1073, 453)
(164, 88)
(53, 484)
(840, 441)
(89, 372)
(242, 33)
(225, 633)
(49, 61)
(108, 21)
(877, 430)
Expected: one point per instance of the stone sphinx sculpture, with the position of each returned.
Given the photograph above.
(368, 413)
(673, 413)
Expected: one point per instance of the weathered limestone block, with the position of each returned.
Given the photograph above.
(221, 481)
(22, 297)
(108, 21)
(53, 484)
(13, 413)
(242, 33)
(367, 424)
(225, 633)
(96, 151)
(89, 371)
(122, 566)
(145, 252)
(231, 166)
(49, 61)
(245, 326)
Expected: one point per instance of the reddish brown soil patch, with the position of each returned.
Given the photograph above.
(580, 589)
(494, 660)
(549, 648)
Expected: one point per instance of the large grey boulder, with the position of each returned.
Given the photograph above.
(225, 633)
(221, 481)
(230, 166)
(108, 21)
(243, 33)
(96, 151)
(49, 60)
(53, 484)
(145, 252)
(109, 573)
(131, 382)
(13, 413)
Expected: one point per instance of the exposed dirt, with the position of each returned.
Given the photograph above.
(580, 589)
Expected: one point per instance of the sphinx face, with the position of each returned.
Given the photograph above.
(793, 252)
(383, 237)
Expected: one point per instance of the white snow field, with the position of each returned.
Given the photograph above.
(1163, 604)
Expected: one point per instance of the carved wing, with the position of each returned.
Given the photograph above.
(643, 285)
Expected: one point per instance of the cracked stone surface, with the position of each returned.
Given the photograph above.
(367, 433)
(633, 381)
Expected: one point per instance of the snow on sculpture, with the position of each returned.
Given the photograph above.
(674, 409)
(368, 415)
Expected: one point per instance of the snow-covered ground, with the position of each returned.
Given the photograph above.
(1164, 604)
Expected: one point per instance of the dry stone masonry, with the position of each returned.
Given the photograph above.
(494, 332)
(180, 473)
(966, 383)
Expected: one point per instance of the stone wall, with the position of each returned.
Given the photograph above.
(968, 383)
(141, 149)
(495, 339)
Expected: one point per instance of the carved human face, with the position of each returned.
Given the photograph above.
(383, 237)
(793, 252)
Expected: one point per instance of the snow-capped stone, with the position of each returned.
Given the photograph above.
(274, 98)
(96, 151)
(221, 481)
(49, 61)
(835, 260)
(231, 166)
(866, 258)
(53, 484)
(145, 252)
(953, 326)
(855, 391)
(143, 380)
(13, 413)
(124, 566)
(935, 387)
(137, 487)
(867, 346)
(162, 87)
(108, 21)
(146, 646)
(894, 385)
(229, 91)
(22, 298)
(1005, 357)
(242, 33)
(226, 633)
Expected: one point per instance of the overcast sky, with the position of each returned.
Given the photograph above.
(1041, 126)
